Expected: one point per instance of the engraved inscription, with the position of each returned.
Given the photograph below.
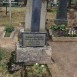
(34, 39)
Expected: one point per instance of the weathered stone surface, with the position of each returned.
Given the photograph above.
(30, 55)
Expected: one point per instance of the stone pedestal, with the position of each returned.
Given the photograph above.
(32, 55)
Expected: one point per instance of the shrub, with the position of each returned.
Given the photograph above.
(9, 28)
(38, 70)
(59, 30)
(58, 27)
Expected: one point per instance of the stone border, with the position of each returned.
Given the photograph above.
(63, 39)
(11, 36)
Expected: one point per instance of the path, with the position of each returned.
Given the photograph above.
(65, 57)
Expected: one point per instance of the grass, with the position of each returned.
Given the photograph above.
(37, 72)
(18, 15)
(7, 34)
(5, 55)
(3, 64)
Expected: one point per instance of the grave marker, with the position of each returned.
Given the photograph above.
(34, 48)
(10, 10)
(62, 12)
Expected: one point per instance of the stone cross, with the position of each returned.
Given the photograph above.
(35, 15)
(33, 47)
(10, 4)
(35, 23)
(62, 12)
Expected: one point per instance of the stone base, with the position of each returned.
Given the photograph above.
(32, 55)
(61, 21)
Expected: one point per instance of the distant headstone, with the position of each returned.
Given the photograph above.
(61, 17)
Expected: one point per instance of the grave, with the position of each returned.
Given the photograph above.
(33, 47)
(61, 17)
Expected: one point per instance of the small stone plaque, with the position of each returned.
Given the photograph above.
(33, 39)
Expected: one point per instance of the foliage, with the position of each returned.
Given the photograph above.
(1, 54)
(54, 10)
(39, 70)
(9, 28)
(11, 62)
(58, 27)
(59, 30)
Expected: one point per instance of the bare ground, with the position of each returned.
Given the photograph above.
(8, 43)
(65, 57)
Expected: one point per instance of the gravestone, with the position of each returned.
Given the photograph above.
(33, 47)
(61, 17)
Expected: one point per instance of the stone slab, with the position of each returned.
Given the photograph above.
(32, 55)
(33, 39)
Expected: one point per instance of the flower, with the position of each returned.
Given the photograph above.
(36, 63)
(42, 66)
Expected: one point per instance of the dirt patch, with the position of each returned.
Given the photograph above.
(65, 57)
(8, 43)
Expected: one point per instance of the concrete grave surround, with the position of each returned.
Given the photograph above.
(34, 27)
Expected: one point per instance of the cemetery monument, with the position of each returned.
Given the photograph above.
(33, 47)
(61, 17)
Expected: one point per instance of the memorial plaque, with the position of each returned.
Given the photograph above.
(33, 39)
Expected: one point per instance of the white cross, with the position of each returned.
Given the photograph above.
(10, 9)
